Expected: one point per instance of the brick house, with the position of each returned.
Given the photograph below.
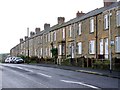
(95, 34)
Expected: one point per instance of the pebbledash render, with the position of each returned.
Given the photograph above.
(95, 34)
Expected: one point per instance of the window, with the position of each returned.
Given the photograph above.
(63, 49)
(117, 44)
(46, 52)
(106, 22)
(41, 51)
(41, 39)
(79, 30)
(51, 37)
(118, 18)
(49, 51)
(91, 25)
(70, 31)
(92, 47)
(48, 37)
(69, 49)
(60, 48)
(54, 36)
(101, 46)
(63, 33)
(79, 48)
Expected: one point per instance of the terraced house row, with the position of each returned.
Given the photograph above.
(95, 34)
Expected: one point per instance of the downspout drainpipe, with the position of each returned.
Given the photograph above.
(96, 37)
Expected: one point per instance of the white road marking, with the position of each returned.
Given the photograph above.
(91, 86)
(19, 67)
(28, 70)
(44, 75)
(30, 79)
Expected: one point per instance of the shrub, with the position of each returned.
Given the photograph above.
(66, 62)
(34, 59)
(101, 64)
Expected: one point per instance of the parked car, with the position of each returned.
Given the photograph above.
(8, 60)
(13, 59)
(18, 60)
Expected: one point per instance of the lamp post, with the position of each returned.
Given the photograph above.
(28, 43)
(110, 56)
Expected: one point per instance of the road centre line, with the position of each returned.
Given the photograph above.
(30, 79)
(32, 71)
(28, 70)
(89, 72)
(81, 83)
(44, 75)
(19, 67)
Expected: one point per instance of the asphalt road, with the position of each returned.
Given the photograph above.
(32, 76)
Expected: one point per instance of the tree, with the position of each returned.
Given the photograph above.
(54, 52)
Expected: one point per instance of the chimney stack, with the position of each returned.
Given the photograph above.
(109, 2)
(46, 26)
(32, 34)
(61, 20)
(79, 14)
(37, 30)
(21, 40)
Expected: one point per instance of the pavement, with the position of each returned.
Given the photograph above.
(106, 73)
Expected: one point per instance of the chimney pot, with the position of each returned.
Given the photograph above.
(79, 14)
(32, 34)
(21, 40)
(61, 20)
(109, 2)
(26, 37)
(37, 30)
(46, 26)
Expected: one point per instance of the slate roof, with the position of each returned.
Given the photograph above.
(87, 15)
(77, 19)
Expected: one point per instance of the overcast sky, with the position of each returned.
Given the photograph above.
(17, 15)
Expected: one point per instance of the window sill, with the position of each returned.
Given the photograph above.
(106, 29)
(91, 32)
(79, 34)
(91, 54)
(78, 54)
(118, 26)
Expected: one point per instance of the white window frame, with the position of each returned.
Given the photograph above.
(106, 21)
(41, 51)
(80, 48)
(101, 46)
(80, 29)
(46, 52)
(118, 18)
(60, 49)
(92, 47)
(117, 44)
(48, 37)
(54, 36)
(63, 33)
(51, 36)
(91, 25)
(49, 51)
(70, 31)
